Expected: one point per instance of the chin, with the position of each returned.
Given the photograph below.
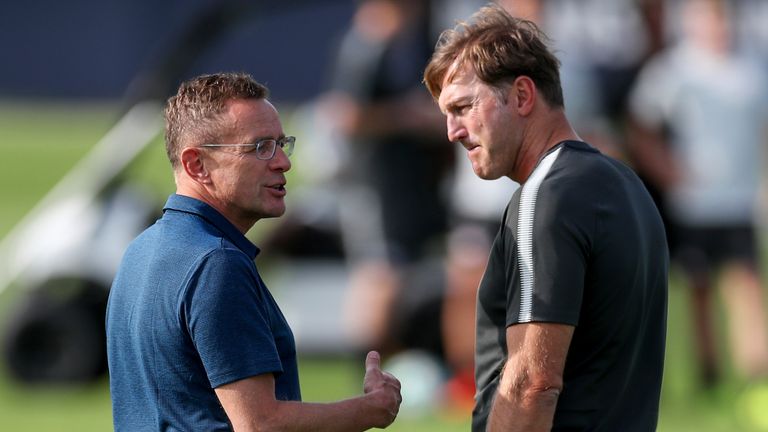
(270, 213)
(485, 175)
(278, 212)
(274, 214)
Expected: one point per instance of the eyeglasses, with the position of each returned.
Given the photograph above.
(265, 148)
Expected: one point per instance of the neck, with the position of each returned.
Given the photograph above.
(202, 194)
(540, 135)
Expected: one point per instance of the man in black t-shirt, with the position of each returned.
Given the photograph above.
(571, 316)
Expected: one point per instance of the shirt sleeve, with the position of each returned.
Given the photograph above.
(654, 92)
(551, 256)
(227, 319)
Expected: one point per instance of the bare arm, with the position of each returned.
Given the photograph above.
(250, 405)
(532, 378)
(651, 154)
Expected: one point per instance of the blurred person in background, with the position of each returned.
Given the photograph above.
(195, 339)
(700, 111)
(393, 202)
(571, 322)
(598, 61)
(751, 31)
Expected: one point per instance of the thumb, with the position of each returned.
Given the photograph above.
(372, 361)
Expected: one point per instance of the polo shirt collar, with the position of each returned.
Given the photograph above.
(211, 215)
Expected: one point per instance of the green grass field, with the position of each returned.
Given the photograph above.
(39, 143)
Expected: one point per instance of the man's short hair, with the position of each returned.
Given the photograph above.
(499, 48)
(192, 116)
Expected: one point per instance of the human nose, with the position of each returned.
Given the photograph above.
(280, 161)
(456, 130)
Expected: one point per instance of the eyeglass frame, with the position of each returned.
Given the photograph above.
(286, 143)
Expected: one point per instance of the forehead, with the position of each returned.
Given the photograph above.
(464, 84)
(253, 118)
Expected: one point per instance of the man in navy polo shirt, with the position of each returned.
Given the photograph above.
(195, 340)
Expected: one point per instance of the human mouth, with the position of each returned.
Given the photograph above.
(468, 145)
(472, 149)
(278, 187)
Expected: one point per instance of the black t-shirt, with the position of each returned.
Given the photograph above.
(581, 244)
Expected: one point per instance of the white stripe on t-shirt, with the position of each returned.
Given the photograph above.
(525, 234)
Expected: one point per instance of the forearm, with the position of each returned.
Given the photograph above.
(529, 410)
(251, 405)
(350, 415)
(652, 156)
(532, 378)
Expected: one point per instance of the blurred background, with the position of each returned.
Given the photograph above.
(387, 229)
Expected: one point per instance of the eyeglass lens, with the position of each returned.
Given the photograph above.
(265, 149)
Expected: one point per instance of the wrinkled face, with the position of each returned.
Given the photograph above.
(478, 119)
(246, 188)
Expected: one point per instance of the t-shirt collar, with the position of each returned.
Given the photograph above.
(211, 215)
(580, 145)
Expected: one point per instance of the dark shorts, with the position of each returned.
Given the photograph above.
(703, 249)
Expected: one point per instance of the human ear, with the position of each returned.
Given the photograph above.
(524, 92)
(192, 161)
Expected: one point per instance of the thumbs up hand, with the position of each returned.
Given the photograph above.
(382, 390)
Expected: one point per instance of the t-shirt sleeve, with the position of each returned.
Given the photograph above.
(552, 256)
(653, 95)
(227, 319)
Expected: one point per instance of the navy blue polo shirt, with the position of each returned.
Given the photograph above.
(188, 312)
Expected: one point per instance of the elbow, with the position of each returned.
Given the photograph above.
(541, 390)
(265, 424)
(267, 420)
(271, 420)
(548, 394)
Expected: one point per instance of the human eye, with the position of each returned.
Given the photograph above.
(248, 148)
(265, 148)
(459, 109)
